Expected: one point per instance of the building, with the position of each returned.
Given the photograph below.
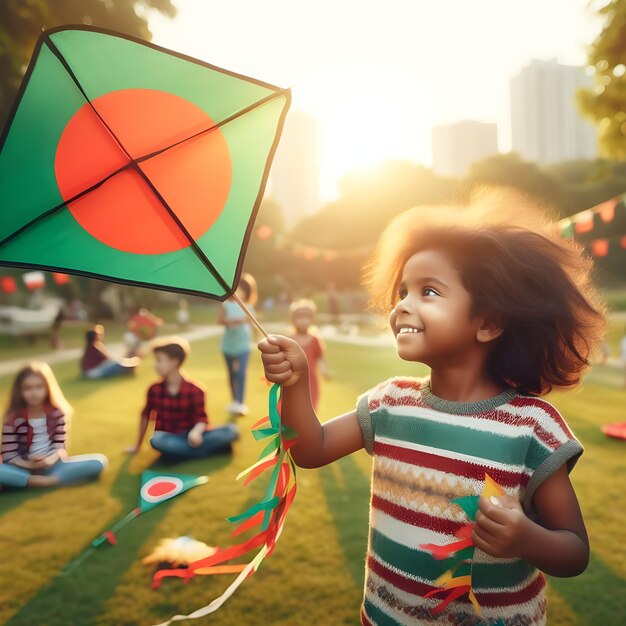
(456, 146)
(295, 177)
(546, 126)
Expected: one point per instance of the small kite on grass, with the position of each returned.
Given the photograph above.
(156, 487)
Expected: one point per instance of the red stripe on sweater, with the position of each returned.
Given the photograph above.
(493, 415)
(547, 408)
(458, 467)
(492, 599)
(423, 520)
(364, 620)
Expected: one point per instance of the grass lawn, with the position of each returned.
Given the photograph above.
(315, 575)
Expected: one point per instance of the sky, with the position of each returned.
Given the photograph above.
(378, 74)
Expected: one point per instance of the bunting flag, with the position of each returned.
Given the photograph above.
(457, 581)
(34, 280)
(583, 222)
(267, 516)
(8, 284)
(60, 278)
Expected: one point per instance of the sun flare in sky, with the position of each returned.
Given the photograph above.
(378, 74)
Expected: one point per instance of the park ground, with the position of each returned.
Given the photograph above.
(315, 576)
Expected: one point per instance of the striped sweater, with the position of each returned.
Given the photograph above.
(17, 434)
(428, 451)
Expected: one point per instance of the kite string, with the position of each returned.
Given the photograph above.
(249, 314)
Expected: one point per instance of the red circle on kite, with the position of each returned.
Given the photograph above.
(160, 488)
(124, 212)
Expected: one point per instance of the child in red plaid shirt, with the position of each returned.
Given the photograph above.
(177, 406)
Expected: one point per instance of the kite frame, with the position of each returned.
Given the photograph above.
(43, 38)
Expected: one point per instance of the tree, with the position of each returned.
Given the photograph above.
(21, 22)
(510, 170)
(605, 102)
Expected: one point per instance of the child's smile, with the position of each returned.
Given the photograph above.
(432, 319)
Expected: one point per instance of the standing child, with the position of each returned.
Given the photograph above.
(302, 314)
(501, 312)
(236, 341)
(176, 404)
(34, 435)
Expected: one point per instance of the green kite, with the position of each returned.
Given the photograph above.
(125, 161)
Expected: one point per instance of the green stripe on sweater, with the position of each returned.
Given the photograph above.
(422, 564)
(452, 437)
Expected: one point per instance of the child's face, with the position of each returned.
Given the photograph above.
(431, 321)
(302, 319)
(164, 365)
(34, 390)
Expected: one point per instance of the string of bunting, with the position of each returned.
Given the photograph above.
(32, 280)
(268, 515)
(582, 222)
(306, 251)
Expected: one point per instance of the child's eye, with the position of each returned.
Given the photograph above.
(402, 293)
(426, 290)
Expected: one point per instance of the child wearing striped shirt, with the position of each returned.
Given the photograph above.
(502, 310)
(34, 435)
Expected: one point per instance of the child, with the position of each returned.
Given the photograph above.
(97, 363)
(302, 314)
(502, 312)
(182, 314)
(177, 406)
(236, 341)
(34, 435)
(141, 327)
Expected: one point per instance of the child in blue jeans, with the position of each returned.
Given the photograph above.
(34, 435)
(177, 406)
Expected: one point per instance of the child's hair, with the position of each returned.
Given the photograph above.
(247, 284)
(174, 347)
(303, 304)
(518, 271)
(91, 336)
(54, 400)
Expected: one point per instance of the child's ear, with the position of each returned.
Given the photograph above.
(490, 328)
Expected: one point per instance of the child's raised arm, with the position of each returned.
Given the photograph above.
(286, 364)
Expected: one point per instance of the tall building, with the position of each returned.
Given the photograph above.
(546, 126)
(295, 179)
(456, 146)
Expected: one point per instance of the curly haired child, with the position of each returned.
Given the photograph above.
(502, 310)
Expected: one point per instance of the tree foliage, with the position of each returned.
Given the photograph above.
(21, 22)
(605, 102)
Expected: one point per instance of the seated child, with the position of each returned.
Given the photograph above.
(34, 435)
(177, 406)
(97, 363)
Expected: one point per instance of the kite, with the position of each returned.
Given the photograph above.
(156, 487)
(128, 162)
(458, 579)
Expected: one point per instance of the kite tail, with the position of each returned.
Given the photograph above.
(268, 515)
(457, 581)
(109, 535)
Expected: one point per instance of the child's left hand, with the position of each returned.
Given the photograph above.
(501, 526)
